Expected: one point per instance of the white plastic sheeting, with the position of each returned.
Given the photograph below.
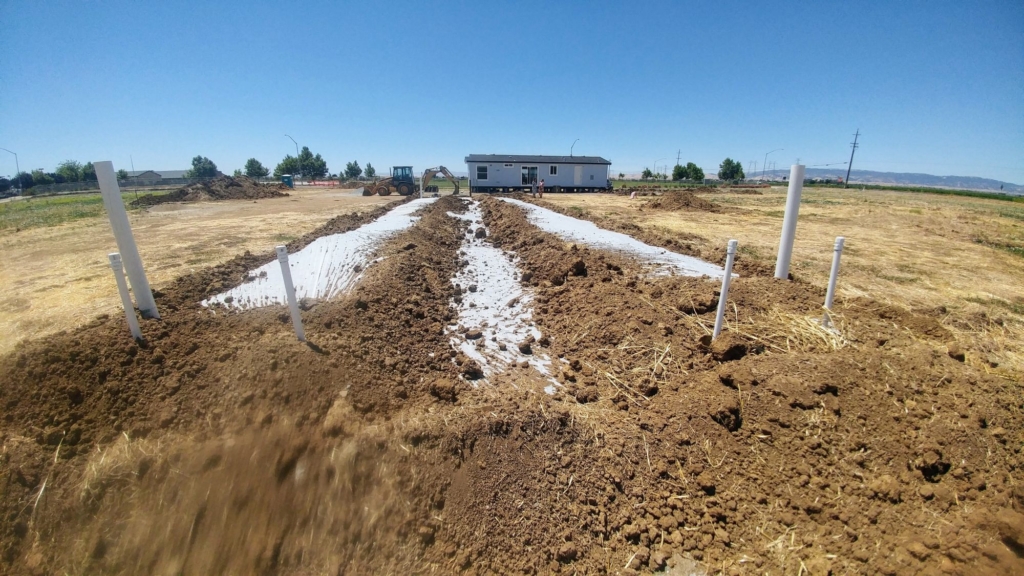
(326, 267)
(588, 233)
(498, 306)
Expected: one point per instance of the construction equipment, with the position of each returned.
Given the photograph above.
(429, 174)
(401, 181)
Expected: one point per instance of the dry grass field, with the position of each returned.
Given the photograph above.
(57, 277)
(912, 250)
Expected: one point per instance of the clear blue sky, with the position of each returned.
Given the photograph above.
(935, 87)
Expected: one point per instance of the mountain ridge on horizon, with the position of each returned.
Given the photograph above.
(907, 179)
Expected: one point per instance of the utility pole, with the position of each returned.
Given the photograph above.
(17, 167)
(573, 146)
(297, 157)
(765, 164)
(678, 154)
(853, 148)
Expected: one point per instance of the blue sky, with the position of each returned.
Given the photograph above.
(935, 87)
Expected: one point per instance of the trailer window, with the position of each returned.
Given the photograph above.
(508, 165)
(481, 172)
(553, 170)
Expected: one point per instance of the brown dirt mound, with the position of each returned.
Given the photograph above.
(220, 188)
(224, 446)
(682, 200)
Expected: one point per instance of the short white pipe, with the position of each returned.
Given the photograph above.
(126, 300)
(837, 252)
(125, 240)
(730, 258)
(289, 289)
(796, 187)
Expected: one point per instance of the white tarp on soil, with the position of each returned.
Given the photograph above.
(495, 309)
(584, 232)
(326, 267)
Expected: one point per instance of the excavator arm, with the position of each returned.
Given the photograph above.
(429, 174)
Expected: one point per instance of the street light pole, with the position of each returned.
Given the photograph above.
(297, 157)
(766, 161)
(573, 146)
(18, 173)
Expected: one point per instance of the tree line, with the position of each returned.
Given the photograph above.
(67, 171)
(729, 169)
(307, 165)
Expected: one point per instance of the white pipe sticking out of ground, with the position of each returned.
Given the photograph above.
(495, 312)
(576, 230)
(326, 267)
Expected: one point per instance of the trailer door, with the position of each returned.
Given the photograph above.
(577, 176)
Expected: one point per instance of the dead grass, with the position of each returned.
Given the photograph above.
(57, 276)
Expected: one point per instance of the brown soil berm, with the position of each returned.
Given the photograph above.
(682, 200)
(220, 188)
(225, 446)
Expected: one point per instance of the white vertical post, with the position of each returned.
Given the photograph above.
(126, 300)
(289, 289)
(796, 186)
(729, 259)
(125, 240)
(837, 252)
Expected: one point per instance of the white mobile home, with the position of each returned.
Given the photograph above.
(507, 173)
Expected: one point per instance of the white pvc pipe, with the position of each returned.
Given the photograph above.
(289, 289)
(126, 300)
(796, 186)
(125, 240)
(730, 258)
(837, 252)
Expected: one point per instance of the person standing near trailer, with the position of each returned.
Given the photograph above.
(533, 188)
(540, 188)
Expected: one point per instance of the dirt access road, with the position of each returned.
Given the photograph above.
(56, 278)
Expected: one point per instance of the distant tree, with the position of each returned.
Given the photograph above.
(730, 170)
(311, 167)
(646, 174)
(678, 172)
(621, 175)
(693, 172)
(290, 165)
(5, 184)
(25, 179)
(370, 171)
(352, 170)
(202, 167)
(88, 172)
(254, 169)
(69, 171)
(122, 174)
(237, 173)
(40, 178)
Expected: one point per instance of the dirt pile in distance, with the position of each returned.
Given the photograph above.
(220, 188)
(683, 200)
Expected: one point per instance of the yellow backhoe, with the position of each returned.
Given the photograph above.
(402, 181)
(429, 174)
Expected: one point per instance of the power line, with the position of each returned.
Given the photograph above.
(853, 148)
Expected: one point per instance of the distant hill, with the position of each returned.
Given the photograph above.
(910, 179)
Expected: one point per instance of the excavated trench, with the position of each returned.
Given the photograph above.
(222, 445)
